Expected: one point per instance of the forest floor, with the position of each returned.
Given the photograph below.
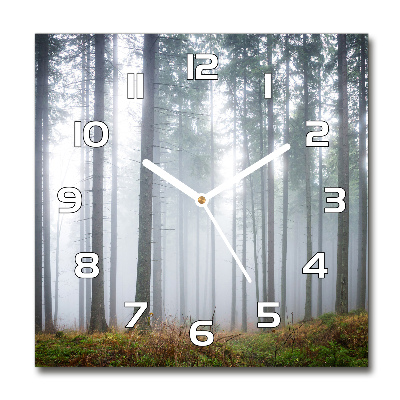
(329, 341)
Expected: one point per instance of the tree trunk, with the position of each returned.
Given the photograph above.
(244, 211)
(146, 180)
(88, 182)
(363, 182)
(48, 307)
(307, 309)
(114, 191)
(157, 271)
(234, 266)
(270, 168)
(182, 272)
(213, 311)
(56, 294)
(343, 217)
(321, 206)
(81, 188)
(40, 49)
(97, 319)
(197, 263)
(285, 187)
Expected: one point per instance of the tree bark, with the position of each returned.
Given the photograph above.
(146, 180)
(234, 266)
(97, 319)
(81, 188)
(285, 186)
(363, 184)
(40, 50)
(48, 306)
(320, 199)
(343, 217)
(88, 153)
(307, 309)
(271, 188)
(157, 271)
(213, 311)
(114, 192)
(244, 211)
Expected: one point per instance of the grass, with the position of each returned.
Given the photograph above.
(329, 341)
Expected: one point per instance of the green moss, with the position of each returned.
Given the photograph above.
(329, 341)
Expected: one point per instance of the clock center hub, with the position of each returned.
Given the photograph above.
(201, 199)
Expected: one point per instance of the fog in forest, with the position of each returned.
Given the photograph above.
(197, 122)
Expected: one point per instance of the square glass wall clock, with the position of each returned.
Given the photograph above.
(201, 200)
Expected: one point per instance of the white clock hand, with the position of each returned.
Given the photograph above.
(169, 178)
(227, 243)
(247, 171)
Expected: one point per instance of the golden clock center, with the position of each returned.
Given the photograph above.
(201, 199)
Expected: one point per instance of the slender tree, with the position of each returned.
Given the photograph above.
(234, 266)
(212, 202)
(40, 74)
(48, 306)
(146, 180)
(320, 191)
(244, 210)
(98, 319)
(271, 187)
(363, 182)
(343, 182)
(307, 311)
(181, 202)
(157, 271)
(114, 191)
(88, 182)
(81, 188)
(285, 184)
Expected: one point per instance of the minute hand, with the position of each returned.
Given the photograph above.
(248, 171)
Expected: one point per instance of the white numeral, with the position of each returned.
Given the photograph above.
(142, 307)
(132, 82)
(340, 200)
(86, 133)
(201, 67)
(321, 270)
(261, 314)
(323, 132)
(75, 198)
(193, 333)
(80, 264)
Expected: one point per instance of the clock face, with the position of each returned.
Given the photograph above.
(201, 200)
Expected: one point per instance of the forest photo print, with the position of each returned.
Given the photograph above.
(201, 200)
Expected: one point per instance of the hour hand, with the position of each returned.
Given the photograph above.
(170, 179)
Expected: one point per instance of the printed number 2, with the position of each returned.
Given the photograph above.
(323, 132)
(199, 68)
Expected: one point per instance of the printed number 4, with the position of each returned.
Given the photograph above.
(321, 270)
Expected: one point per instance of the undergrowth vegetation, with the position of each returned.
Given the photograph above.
(329, 341)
